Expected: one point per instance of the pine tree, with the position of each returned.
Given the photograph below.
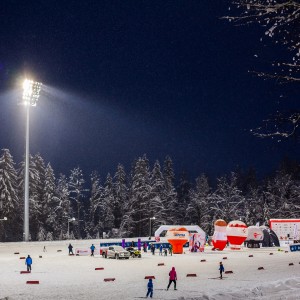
(198, 210)
(94, 225)
(183, 199)
(51, 201)
(9, 200)
(62, 212)
(254, 206)
(120, 195)
(281, 198)
(139, 197)
(156, 197)
(107, 205)
(76, 189)
(228, 201)
(170, 198)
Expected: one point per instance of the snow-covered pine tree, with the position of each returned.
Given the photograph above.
(107, 205)
(94, 227)
(60, 214)
(254, 206)
(228, 202)
(170, 198)
(11, 230)
(120, 195)
(156, 197)
(77, 190)
(139, 196)
(41, 236)
(51, 201)
(49, 236)
(183, 196)
(198, 211)
(280, 197)
(127, 226)
(39, 196)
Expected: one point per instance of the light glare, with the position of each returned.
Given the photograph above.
(31, 92)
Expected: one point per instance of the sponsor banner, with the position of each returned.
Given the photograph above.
(196, 242)
(85, 251)
(294, 247)
(286, 229)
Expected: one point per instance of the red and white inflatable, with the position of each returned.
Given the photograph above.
(219, 239)
(255, 234)
(237, 232)
(177, 237)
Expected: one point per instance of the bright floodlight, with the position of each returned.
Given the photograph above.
(31, 92)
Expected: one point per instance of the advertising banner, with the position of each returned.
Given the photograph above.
(196, 242)
(287, 230)
(84, 251)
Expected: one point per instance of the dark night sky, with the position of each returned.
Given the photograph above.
(124, 78)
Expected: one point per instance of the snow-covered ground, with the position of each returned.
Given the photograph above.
(74, 277)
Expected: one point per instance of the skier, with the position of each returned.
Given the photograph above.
(221, 269)
(28, 262)
(171, 250)
(150, 288)
(92, 249)
(70, 249)
(44, 250)
(172, 278)
(160, 249)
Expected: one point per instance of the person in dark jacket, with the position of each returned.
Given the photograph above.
(92, 249)
(28, 263)
(145, 247)
(150, 288)
(70, 247)
(172, 278)
(221, 269)
(153, 249)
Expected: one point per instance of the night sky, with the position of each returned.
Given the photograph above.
(124, 78)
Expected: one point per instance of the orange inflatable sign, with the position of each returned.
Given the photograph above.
(177, 237)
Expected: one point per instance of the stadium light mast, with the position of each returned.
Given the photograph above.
(31, 93)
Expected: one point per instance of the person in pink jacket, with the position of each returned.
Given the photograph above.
(172, 278)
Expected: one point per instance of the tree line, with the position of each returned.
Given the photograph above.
(122, 204)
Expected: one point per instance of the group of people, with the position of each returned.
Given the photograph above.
(173, 279)
(162, 250)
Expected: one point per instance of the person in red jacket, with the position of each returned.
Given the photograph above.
(172, 278)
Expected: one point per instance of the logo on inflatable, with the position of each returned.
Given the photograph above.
(179, 234)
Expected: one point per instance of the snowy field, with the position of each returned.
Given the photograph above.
(74, 277)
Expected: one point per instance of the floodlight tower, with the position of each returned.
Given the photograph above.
(31, 93)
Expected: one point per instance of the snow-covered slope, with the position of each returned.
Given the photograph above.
(74, 277)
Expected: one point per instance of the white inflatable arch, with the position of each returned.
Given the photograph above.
(190, 228)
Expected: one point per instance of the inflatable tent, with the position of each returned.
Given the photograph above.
(270, 238)
(255, 237)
